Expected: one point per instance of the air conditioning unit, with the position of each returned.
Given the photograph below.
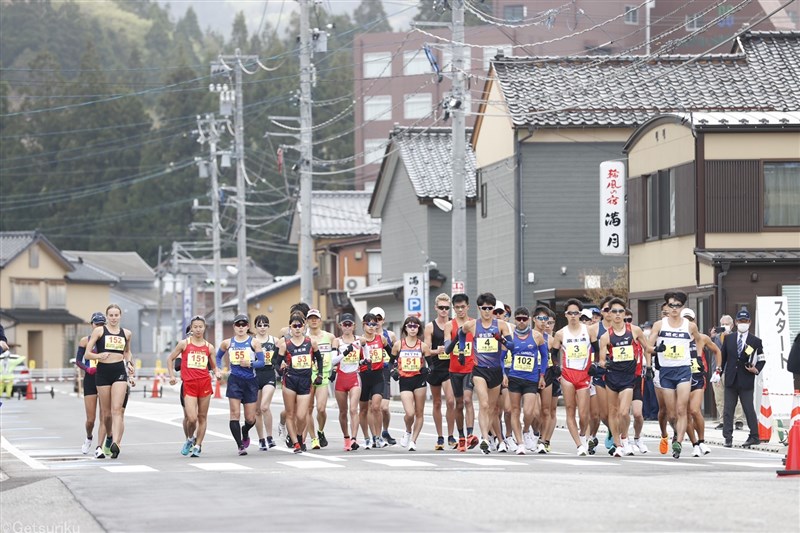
(353, 283)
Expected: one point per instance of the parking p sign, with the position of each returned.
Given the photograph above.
(413, 294)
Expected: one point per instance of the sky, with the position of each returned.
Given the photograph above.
(219, 14)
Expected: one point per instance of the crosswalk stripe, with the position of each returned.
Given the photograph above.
(220, 467)
(745, 463)
(485, 461)
(398, 462)
(309, 464)
(579, 462)
(129, 469)
(665, 461)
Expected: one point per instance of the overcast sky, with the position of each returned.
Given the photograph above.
(219, 14)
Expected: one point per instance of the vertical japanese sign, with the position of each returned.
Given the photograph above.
(772, 321)
(612, 208)
(413, 294)
(188, 307)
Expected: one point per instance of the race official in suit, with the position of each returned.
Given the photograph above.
(742, 360)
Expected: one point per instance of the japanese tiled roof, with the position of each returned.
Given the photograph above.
(342, 214)
(760, 74)
(426, 154)
(750, 256)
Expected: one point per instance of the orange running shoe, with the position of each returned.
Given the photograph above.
(663, 446)
(462, 444)
(472, 441)
(347, 444)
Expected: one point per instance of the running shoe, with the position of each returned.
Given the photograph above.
(195, 451)
(439, 444)
(609, 441)
(303, 446)
(282, 430)
(383, 443)
(462, 444)
(663, 445)
(547, 446)
(502, 447)
(405, 439)
(87, 445)
(676, 450)
(187, 447)
(322, 440)
(367, 444)
(540, 449)
(353, 444)
(297, 448)
(520, 449)
(246, 442)
(593, 442)
(696, 451)
(452, 442)
(641, 445)
(288, 441)
(242, 451)
(107, 449)
(627, 450)
(98, 453)
(511, 444)
(347, 444)
(412, 446)
(527, 440)
(270, 442)
(617, 451)
(114, 450)
(582, 451)
(315, 444)
(472, 441)
(388, 439)
(262, 445)
(704, 449)
(484, 447)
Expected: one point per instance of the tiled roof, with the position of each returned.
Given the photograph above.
(342, 214)
(13, 243)
(742, 119)
(749, 256)
(88, 273)
(128, 266)
(759, 75)
(426, 154)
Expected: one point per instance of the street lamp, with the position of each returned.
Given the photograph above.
(426, 285)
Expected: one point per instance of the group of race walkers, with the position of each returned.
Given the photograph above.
(514, 363)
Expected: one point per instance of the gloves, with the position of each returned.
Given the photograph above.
(332, 377)
(649, 373)
(92, 370)
(498, 337)
(347, 351)
(593, 369)
(661, 347)
(424, 371)
(364, 362)
(714, 377)
(395, 374)
(318, 381)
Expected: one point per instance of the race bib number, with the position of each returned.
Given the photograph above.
(410, 364)
(352, 357)
(523, 363)
(486, 344)
(577, 351)
(376, 355)
(237, 356)
(622, 353)
(326, 359)
(444, 356)
(198, 360)
(301, 361)
(115, 342)
(695, 366)
(467, 350)
(507, 362)
(675, 352)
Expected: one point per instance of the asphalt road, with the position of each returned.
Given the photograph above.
(48, 483)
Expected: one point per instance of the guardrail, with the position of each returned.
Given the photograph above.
(70, 373)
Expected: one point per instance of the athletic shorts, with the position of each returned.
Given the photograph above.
(460, 382)
(492, 375)
(183, 404)
(197, 388)
(301, 385)
(412, 383)
(671, 376)
(245, 390)
(578, 378)
(698, 381)
(556, 389)
(266, 376)
(638, 389)
(89, 385)
(345, 381)
(619, 381)
(599, 381)
(110, 373)
(371, 387)
(386, 392)
(522, 386)
(437, 377)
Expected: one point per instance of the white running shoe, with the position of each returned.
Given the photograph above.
(582, 451)
(412, 446)
(627, 450)
(535, 444)
(527, 441)
(382, 443)
(502, 448)
(618, 451)
(704, 448)
(281, 430)
(98, 453)
(404, 439)
(87, 446)
(696, 451)
(540, 448)
(511, 444)
(520, 450)
(641, 445)
(367, 444)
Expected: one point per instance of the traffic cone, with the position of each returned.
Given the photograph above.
(795, 409)
(217, 391)
(792, 467)
(29, 391)
(765, 418)
(155, 387)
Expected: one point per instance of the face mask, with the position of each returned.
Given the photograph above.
(646, 332)
(743, 328)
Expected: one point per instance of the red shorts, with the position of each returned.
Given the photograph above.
(578, 378)
(346, 381)
(197, 388)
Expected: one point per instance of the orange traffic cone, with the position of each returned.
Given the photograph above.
(155, 387)
(29, 391)
(793, 455)
(765, 418)
(795, 417)
(217, 391)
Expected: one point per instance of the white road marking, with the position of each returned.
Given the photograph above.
(307, 465)
(745, 463)
(398, 462)
(580, 462)
(220, 467)
(129, 469)
(22, 456)
(485, 461)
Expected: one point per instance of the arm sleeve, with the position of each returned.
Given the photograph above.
(596, 347)
(220, 355)
(276, 357)
(79, 357)
(544, 354)
(259, 362)
(449, 347)
(318, 358)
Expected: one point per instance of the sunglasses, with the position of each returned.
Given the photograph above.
(371, 324)
(487, 308)
(675, 306)
(347, 324)
(297, 326)
(522, 318)
(262, 325)
(498, 312)
(606, 309)
(241, 324)
(629, 320)
(542, 318)
(443, 307)
(379, 317)
(617, 311)
(412, 326)
(572, 313)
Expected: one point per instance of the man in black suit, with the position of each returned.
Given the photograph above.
(742, 360)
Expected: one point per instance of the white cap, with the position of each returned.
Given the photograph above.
(687, 313)
(587, 313)
(313, 312)
(499, 305)
(378, 311)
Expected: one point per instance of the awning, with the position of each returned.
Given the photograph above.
(41, 316)
(715, 257)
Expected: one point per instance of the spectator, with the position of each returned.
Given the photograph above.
(718, 334)
(3, 340)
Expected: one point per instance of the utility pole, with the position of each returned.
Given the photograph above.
(459, 214)
(306, 252)
(173, 314)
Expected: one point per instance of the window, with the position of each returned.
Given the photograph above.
(491, 51)
(415, 63)
(694, 22)
(782, 194)
(56, 295)
(377, 65)
(513, 13)
(25, 294)
(33, 256)
(378, 107)
(373, 150)
(631, 15)
(661, 219)
(417, 105)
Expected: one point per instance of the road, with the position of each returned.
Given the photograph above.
(48, 483)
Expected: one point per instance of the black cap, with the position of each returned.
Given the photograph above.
(347, 317)
(241, 318)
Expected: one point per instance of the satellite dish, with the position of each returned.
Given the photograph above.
(443, 204)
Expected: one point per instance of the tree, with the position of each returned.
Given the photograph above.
(239, 37)
(371, 16)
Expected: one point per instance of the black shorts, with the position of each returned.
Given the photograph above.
(89, 385)
(265, 376)
(460, 382)
(698, 381)
(437, 377)
(300, 384)
(412, 383)
(386, 391)
(638, 389)
(182, 402)
(556, 389)
(599, 381)
(619, 381)
(492, 375)
(110, 373)
(370, 386)
(522, 386)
